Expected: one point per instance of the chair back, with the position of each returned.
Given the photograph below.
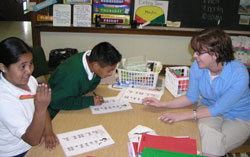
(39, 61)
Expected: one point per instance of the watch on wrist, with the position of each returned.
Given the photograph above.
(195, 114)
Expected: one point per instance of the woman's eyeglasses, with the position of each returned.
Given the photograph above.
(199, 53)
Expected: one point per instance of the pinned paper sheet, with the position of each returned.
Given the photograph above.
(173, 24)
(61, 15)
(82, 16)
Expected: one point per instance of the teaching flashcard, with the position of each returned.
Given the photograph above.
(136, 95)
(152, 11)
(82, 16)
(84, 140)
(111, 104)
(61, 15)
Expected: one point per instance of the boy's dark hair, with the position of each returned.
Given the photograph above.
(11, 49)
(216, 41)
(105, 54)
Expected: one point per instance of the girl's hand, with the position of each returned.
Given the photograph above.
(42, 98)
(50, 139)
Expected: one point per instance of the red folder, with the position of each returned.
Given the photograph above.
(182, 145)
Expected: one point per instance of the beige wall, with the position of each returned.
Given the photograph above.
(171, 50)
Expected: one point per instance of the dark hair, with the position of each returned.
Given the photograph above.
(216, 41)
(105, 54)
(11, 49)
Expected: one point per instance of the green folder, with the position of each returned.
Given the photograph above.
(151, 152)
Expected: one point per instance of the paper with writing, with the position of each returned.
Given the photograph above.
(82, 16)
(111, 104)
(84, 140)
(61, 15)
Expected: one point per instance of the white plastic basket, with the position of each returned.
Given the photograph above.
(140, 79)
(177, 83)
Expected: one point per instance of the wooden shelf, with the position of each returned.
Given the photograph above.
(38, 27)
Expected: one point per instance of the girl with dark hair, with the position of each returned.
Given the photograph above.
(223, 112)
(23, 103)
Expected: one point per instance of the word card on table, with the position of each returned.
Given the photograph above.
(111, 104)
(84, 140)
(136, 95)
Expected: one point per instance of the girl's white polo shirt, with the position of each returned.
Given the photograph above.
(15, 116)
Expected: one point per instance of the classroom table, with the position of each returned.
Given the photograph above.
(118, 124)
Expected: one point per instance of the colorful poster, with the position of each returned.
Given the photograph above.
(153, 11)
(77, 1)
(111, 9)
(43, 4)
(120, 2)
(113, 19)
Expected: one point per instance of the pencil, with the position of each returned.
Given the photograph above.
(94, 94)
(29, 96)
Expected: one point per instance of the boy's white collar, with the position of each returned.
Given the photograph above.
(85, 65)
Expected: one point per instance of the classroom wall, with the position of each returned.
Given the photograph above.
(170, 50)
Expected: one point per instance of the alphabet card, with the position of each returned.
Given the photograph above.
(84, 140)
(82, 15)
(111, 104)
(136, 95)
(61, 15)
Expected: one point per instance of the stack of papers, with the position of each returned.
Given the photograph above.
(175, 144)
(135, 136)
(149, 145)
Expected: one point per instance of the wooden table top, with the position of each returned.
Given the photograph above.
(118, 124)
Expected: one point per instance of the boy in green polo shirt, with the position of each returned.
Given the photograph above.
(79, 75)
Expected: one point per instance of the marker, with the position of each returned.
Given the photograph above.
(29, 96)
(94, 94)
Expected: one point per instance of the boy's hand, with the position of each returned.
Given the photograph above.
(42, 98)
(98, 100)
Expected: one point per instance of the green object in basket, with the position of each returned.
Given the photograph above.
(138, 63)
(178, 72)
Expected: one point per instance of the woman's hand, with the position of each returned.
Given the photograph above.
(173, 117)
(153, 102)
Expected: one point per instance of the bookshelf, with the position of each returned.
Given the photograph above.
(38, 27)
